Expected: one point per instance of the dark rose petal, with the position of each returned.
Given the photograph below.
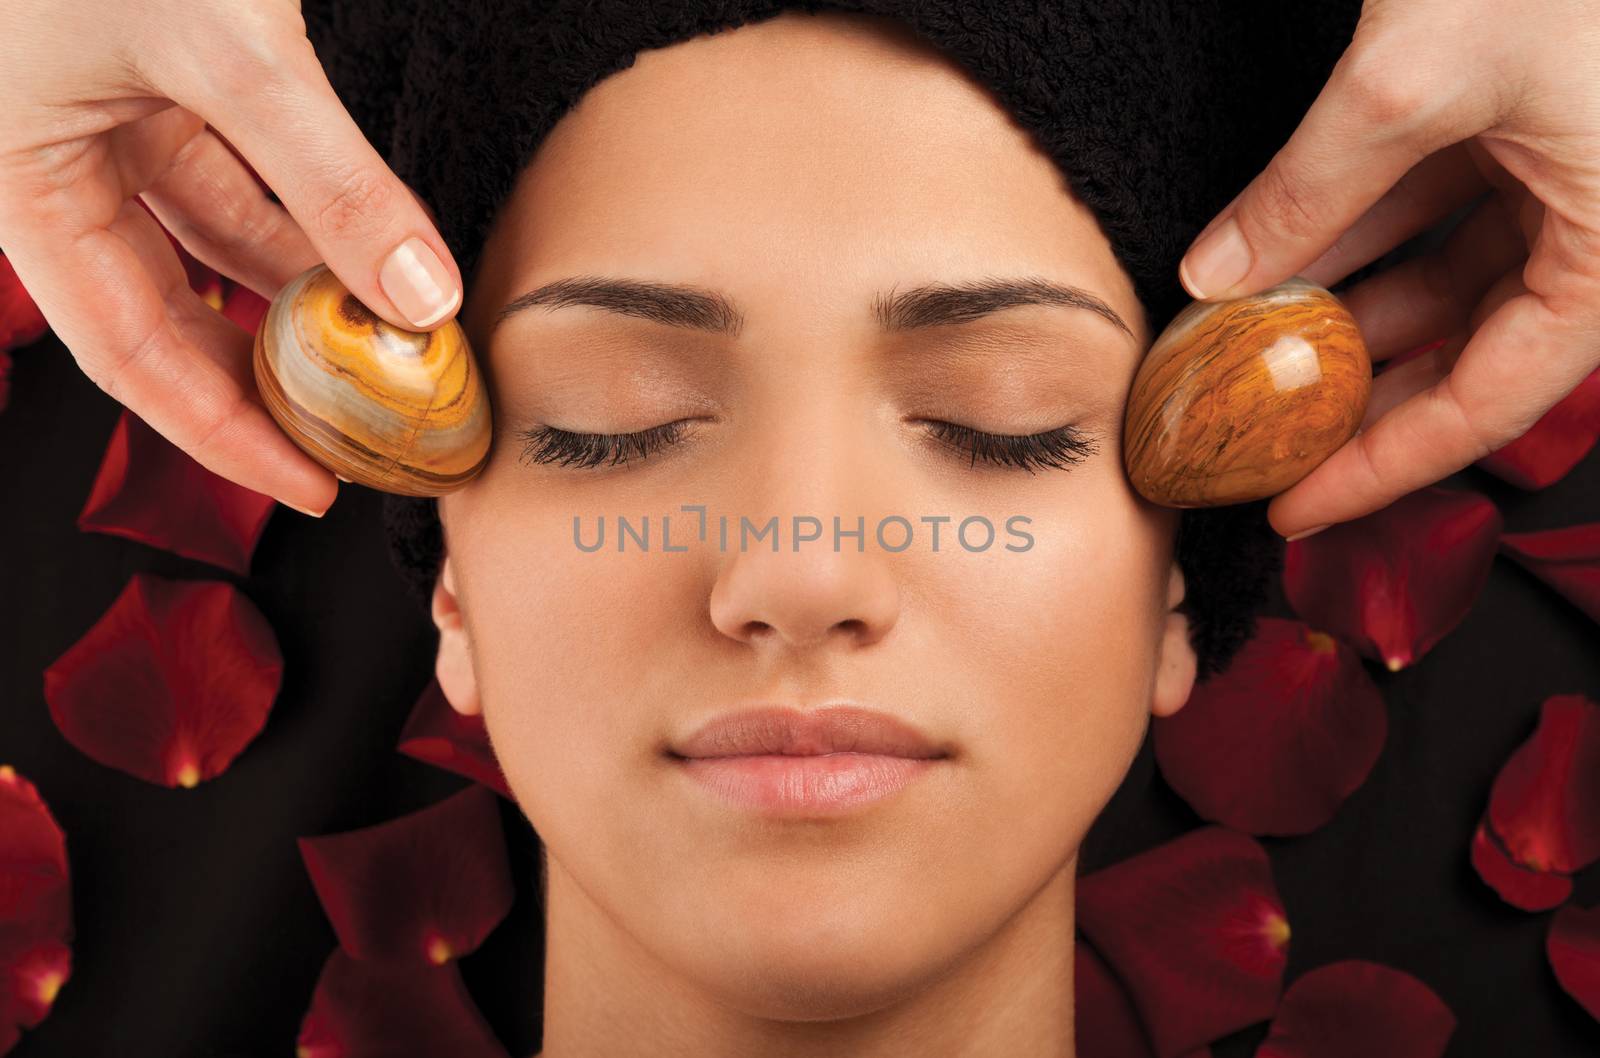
(35, 908)
(1573, 948)
(1195, 929)
(1555, 444)
(151, 491)
(1545, 803)
(1517, 885)
(1566, 559)
(171, 683)
(244, 307)
(21, 322)
(1394, 583)
(1106, 1022)
(393, 1010)
(436, 734)
(1358, 1008)
(425, 887)
(1300, 707)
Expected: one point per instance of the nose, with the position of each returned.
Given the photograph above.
(807, 598)
(807, 592)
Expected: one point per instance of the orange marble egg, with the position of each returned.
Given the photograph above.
(1239, 399)
(399, 411)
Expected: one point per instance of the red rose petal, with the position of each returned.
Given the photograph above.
(21, 322)
(1358, 1008)
(171, 683)
(1553, 445)
(203, 279)
(1573, 948)
(151, 491)
(1392, 584)
(1105, 1021)
(35, 908)
(385, 1010)
(1566, 559)
(1518, 886)
(244, 307)
(1545, 803)
(426, 887)
(436, 734)
(1300, 707)
(1195, 929)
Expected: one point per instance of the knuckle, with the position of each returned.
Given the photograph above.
(1285, 202)
(1382, 92)
(360, 202)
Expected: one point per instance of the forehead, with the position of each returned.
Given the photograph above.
(824, 153)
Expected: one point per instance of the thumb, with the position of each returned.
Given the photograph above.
(367, 224)
(1366, 129)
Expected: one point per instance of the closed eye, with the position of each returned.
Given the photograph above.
(1059, 448)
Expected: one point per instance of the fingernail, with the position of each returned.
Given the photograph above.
(1305, 533)
(1217, 261)
(418, 284)
(303, 510)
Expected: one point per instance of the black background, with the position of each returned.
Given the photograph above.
(198, 932)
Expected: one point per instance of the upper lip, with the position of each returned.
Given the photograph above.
(795, 732)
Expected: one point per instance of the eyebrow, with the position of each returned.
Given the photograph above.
(929, 305)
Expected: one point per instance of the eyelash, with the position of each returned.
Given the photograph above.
(1059, 448)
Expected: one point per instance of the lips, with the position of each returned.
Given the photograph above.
(779, 731)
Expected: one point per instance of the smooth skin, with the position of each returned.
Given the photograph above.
(1437, 104)
(175, 102)
(799, 166)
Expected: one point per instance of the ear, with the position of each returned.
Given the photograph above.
(1176, 662)
(453, 666)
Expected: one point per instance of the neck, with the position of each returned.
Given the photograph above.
(605, 995)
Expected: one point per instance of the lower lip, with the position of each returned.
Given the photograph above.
(825, 783)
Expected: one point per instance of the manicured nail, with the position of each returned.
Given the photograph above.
(418, 284)
(1218, 261)
(303, 510)
(1305, 533)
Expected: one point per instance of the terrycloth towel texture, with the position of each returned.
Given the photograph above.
(1157, 112)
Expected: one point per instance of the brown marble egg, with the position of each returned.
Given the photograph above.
(396, 410)
(1239, 399)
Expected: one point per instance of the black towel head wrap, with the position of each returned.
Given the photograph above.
(1157, 112)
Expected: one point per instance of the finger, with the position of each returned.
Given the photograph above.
(283, 116)
(210, 202)
(1427, 297)
(1523, 360)
(1431, 190)
(1373, 121)
(1396, 384)
(118, 297)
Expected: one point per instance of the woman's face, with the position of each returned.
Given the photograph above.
(814, 172)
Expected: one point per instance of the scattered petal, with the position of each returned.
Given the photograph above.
(1566, 559)
(1545, 803)
(1299, 705)
(436, 734)
(1517, 885)
(170, 684)
(1392, 584)
(1573, 948)
(1106, 1022)
(426, 887)
(35, 908)
(151, 491)
(1358, 1008)
(1195, 929)
(1553, 445)
(386, 1010)
(21, 322)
